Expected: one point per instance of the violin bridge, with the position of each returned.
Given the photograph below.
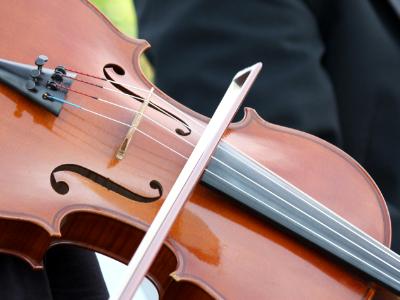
(135, 123)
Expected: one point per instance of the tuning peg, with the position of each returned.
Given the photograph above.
(40, 61)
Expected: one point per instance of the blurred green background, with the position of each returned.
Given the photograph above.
(122, 15)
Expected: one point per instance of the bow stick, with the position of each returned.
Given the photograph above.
(186, 181)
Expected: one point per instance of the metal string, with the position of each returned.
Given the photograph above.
(358, 232)
(305, 227)
(303, 212)
(128, 109)
(346, 224)
(51, 98)
(244, 176)
(274, 178)
(240, 158)
(128, 95)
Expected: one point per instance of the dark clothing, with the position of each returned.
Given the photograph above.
(331, 68)
(70, 273)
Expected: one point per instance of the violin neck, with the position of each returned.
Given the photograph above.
(261, 190)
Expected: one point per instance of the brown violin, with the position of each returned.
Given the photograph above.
(90, 149)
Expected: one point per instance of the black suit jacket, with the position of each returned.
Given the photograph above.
(70, 273)
(331, 68)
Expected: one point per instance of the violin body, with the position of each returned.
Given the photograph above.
(59, 175)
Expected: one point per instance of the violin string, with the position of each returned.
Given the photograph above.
(346, 225)
(95, 98)
(138, 89)
(305, 227)
(305, 213)
(161, 109)
(128, 109)
(104, 79)
(244, 176)
(102, 87)
(52, 98)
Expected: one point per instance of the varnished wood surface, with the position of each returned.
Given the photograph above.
(216, 248)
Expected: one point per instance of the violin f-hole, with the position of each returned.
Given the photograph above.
(184, 131)
(62, 188)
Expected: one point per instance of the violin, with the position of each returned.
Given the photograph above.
(90, 150)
